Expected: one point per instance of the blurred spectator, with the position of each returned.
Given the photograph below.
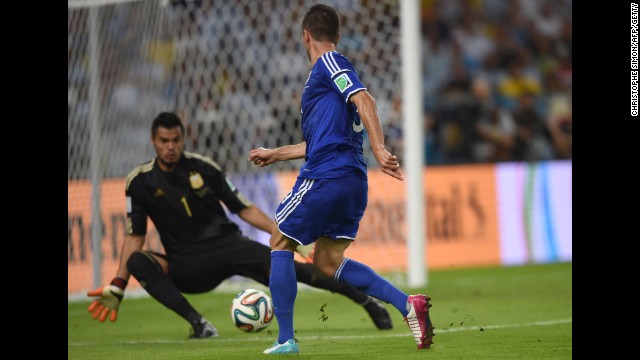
(559, 118)
(447, 11)
(437, 58)
(434, 20)
(547, 21)
(533, 140)
(497, 131)
(507, 48)
(454, 118)
(432, 152)
(495, 126)
(460, 80)
(516, 83)
(545, 59)
(564, 70)
(563, 44)
(561, 128)
(474, 43)
(518, 24)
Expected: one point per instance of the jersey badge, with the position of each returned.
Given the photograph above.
(343, 82)
(159, 193)
(196, 180)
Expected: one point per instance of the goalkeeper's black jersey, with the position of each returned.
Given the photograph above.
(184, 204)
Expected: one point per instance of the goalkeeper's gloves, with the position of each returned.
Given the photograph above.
(109, 301)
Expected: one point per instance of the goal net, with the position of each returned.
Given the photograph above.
(233, 70)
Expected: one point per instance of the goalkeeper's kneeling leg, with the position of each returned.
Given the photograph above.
(144, 267)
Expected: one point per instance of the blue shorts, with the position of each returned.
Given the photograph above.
(323, 207)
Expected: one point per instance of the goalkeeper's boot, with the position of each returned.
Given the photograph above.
(289, 347)
(378, 314)
(419, 321)
(203, 330)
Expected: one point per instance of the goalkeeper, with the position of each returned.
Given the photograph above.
(181, 193)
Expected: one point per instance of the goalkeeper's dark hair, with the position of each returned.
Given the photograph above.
(322, 22)
(166, 120)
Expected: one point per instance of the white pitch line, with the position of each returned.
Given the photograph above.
(254, 338)
(485, 327)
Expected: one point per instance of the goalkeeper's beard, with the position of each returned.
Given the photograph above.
(169, 165)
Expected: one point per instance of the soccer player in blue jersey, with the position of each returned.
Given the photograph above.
(329, 197)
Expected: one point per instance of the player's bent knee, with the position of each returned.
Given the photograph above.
(326, 267)
(142, 266)
(280, 242)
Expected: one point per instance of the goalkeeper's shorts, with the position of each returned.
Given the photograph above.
(202, 267)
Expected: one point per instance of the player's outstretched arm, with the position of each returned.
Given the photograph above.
(369, 116)
(263, 157)
(110, 296)
(257, 218)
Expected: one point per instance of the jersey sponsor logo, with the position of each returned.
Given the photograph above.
(159, 193)
(343, 82)
(196, 180)
(359, 127)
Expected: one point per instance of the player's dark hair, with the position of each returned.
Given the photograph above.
(322, 22)
(166, 120)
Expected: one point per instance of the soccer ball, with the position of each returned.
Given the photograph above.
(251, 310)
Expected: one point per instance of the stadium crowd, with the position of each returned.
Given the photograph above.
(497, 80)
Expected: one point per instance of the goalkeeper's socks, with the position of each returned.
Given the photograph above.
(364, 278)
(284, 288)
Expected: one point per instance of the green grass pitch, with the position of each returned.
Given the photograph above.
(519, 312)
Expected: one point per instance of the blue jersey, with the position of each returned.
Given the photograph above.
(331, 125)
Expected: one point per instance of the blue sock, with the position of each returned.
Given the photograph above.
(284, 288)
(366, 280)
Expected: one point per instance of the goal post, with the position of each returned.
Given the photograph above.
(414, 142)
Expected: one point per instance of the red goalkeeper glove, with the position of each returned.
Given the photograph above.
(109, 301)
